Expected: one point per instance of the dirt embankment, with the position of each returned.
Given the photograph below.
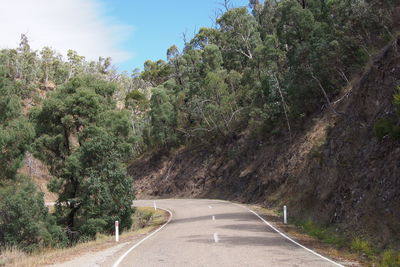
(334, 171)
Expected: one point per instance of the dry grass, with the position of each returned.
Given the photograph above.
(13, 257)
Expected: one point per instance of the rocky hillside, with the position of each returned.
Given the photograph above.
(333, 171)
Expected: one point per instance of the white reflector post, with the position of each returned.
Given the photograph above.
(285, 214)
(116, 231)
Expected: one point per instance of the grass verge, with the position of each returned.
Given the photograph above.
(317, 239)
(353, 251)
(144, 221)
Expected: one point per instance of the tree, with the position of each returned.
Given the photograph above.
(162, 118)
(138, 104)
(86, 141)
(156, 72)
(47, 58)
(24, 219)
(205, 36)
(175, 59)
(240, 36)
(75, 63)
(26, 67)
(16, 132)
(214, 108)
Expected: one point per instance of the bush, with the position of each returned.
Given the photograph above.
(382, 128)
(362, 247)
(390, 258)
(323, 234)
(92, 227)
(386, 127)
(25, 222)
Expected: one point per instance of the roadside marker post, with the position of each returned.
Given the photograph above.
(155, 206)
(285, 214)
(116, 231)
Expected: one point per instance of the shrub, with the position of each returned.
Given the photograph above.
(386, 127)
(323, 234)
(25, 222)
(390, 258)
(362, 247)
(382, 128)
(92, 227)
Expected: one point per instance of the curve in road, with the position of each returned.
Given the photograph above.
(216, 233)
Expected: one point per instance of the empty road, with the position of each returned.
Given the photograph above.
(215, 233)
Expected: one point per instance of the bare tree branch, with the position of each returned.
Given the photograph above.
(325, 94)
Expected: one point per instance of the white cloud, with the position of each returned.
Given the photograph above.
(81, 25)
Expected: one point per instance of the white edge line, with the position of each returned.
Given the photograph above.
(144, 239)
(285, 236)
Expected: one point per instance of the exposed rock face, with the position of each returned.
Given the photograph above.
(40, 175)
(335, 171)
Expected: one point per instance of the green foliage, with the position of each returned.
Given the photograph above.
(388, 127)
(387, 258)
(323, 234)
(362, 247)
(15, 138)
(15, 131)
(163, 118)
(258, 72)
(135, 95)
(212, 58)
(390, 258)
(265, 70)
(384, 127)
(239, 37)
(156, 72)
(86, 141)
(25, 221)
(142, 218)
(214, 108)
(396, 100)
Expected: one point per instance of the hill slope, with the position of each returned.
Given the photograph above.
(334, 171)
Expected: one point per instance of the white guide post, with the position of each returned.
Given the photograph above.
(116, 231)
(285, 214)
(155, 206)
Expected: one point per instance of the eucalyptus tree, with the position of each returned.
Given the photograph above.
(240, 37)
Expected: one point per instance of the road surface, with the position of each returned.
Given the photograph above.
(215, 233)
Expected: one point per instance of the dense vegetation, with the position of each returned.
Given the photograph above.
(85, 140)
(265, 70)
(65, 113)
(261, 70)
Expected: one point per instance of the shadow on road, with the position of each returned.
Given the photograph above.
(248, 227)
(235, 241)
(237, 216)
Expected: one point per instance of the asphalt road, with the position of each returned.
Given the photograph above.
(214, 233)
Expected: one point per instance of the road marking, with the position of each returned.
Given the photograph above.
(144, 239)
(213, 218)
(216, 239)
(209, 207)
(285, 236)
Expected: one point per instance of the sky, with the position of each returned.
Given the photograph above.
(129, 31)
